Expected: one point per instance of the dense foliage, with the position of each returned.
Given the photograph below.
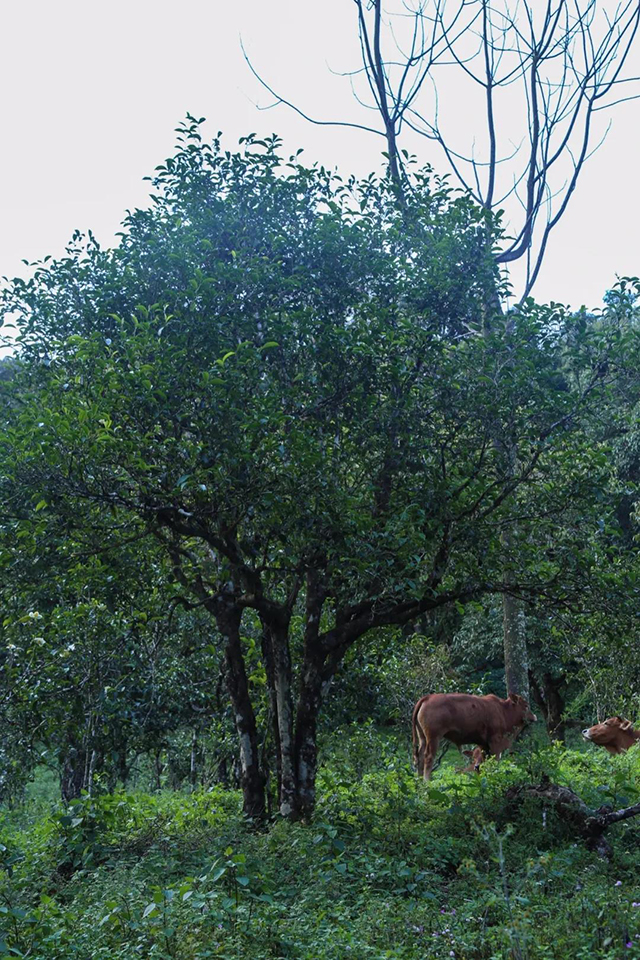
(388, 869)
(285, 402)
(269, 468)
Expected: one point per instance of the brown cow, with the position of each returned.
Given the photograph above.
(616, 734)
(488, 721)
(476, 758)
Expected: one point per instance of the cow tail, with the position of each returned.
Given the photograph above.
(414, 728)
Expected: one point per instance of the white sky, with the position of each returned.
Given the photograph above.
(91, 94)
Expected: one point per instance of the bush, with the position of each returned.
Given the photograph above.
(390, 867)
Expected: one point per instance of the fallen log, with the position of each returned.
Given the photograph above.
(590, 824)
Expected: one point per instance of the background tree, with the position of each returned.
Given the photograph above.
(97, 670)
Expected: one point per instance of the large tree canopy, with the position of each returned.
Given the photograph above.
(291, 386)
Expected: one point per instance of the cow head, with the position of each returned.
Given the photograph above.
(475, 757)
(615, 734)
(522, 709)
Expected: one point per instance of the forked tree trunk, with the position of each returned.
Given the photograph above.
(277, 657)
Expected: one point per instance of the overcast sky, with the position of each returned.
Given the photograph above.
(91, 94)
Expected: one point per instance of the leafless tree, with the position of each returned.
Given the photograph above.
(507, 91)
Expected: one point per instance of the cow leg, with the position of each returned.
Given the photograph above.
(419, 747)
(431, 747)
(498, 745)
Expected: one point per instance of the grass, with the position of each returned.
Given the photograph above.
(390, 868)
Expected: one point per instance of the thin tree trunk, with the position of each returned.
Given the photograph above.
(515, 646)
(123, 767)
(193, 771)
(551, 702)
(555, 705)
(287, 774)
(157, 764)
(72, 776)
(92, 770)
(516, 666)
(269, 666)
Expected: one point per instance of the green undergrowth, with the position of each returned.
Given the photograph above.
(390, 868)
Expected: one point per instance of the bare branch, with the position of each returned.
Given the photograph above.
(550, 66)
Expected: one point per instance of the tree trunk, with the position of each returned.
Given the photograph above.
(228, 617)
(287, 774)
(555, 706)
(193, 770)
(91, 772)
(269, 666)
(515, 647)
(551, 702)
(72, 778)
(123, 766)
(306, 750)
(157, 766)
(516, 666)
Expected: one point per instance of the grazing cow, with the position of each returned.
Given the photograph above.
(476, 759)
(616, 734)
(488, 721)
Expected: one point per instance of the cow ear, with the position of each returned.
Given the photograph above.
(513, 697)
(619, 719)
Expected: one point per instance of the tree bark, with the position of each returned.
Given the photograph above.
(91, 771)
(157, 766)
(228, 617)
(516, 667)
(515, 647)
(306, 750)
(287, 786)
(73, 773)
(277, 655)
(551, 702)
(310, 690)
(267, 659)
(193, 770)
(555, 705)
